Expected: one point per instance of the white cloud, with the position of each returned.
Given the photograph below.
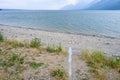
(38, 4)
(73, 2)
(33, 4)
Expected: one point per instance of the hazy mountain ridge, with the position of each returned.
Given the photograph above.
(95, 5)
(74, 7)
(106, 5)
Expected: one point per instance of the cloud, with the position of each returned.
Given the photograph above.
(73, 2)
(38, 4)
(33, 4)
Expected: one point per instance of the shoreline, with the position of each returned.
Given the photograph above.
(108, 45)
(84, 34)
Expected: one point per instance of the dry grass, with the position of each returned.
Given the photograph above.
(56, 49)
(59, 74)
(14, 60)
(100, 63)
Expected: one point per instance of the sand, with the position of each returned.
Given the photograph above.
(80, 70)
(108, 45)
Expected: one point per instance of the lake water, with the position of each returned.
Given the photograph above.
(86, 22)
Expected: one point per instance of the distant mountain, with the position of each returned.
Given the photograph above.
(105, 5)
(73, 7)
(95, 5)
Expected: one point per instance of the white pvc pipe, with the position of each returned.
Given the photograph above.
(69, 61)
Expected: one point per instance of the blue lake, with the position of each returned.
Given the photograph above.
(96, 22)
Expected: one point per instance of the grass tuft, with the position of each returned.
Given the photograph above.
(11, 60)
(59, 73)
(1, 37)
(35, 65)
(35, 43)
(12, 65)
(14, 43)
(53, 48)
(98, 58)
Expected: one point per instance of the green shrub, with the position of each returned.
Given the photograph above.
(35, 43)
(35, 65)
(98, 56)
(114, 62)
(59, 74)
(53, 48)
(1, 37)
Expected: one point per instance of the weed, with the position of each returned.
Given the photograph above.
(12, 64)
(1, 37)
(98, 58)
(85, 78)
(90, 64)
(59, 74)
(113, 62)
(85, 54)
(12, 60)
(35, 65)
(53, 48)
(35, 43)
(95, 71)
(14, 43)
(98, 62)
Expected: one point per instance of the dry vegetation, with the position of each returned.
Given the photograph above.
(100, 64)
(30, 61)
(17, 57)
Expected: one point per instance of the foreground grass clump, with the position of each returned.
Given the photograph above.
(95, 58)
(59, 73)
(98, 62)
(12, 66)
(1, 37)
(35, 65)
(14, 43)
(53, 48)
(11, 60)
(35, 43)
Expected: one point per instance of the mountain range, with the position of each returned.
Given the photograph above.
(96, 5)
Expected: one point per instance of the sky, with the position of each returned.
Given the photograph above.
(39, 4)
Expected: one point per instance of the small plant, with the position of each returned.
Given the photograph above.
(35, 43)
(14, 43)
(12, 60)
(90, 64)
(11, 65)
(85, 78)
(1, 37)
(59, 74)
(85, 54)
(95, 71)
(35, 65)
(98, 56)
(114, 62)
(50, 49)
(54, 48)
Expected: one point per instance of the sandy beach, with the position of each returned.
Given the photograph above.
(80, 67)
(108, 45)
